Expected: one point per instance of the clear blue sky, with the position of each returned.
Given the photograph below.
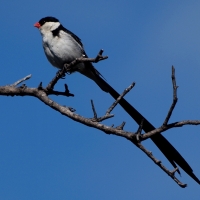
(44, 155)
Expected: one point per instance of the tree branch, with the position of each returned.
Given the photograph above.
(159, 163)
(119, 98)
(135, 137)
(175, 99)
(21, 80)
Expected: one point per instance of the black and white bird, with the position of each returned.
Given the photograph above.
(62, 46)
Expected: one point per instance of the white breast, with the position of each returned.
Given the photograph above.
(61, 49)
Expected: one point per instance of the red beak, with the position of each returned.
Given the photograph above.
(37, 25)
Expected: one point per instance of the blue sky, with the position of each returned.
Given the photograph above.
(44, 155)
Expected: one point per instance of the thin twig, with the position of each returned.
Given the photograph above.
(175, 99)
(93, 109)
(99, 56)
(21, 80)
(159, 163)
(108, 115)
(174, 171)
(169, 126)
(121, 127)
(119, 98)
(100, 119)
(139, 131)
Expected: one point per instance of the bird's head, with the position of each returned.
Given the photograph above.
(47, 24)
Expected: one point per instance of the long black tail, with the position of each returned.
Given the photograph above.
(160, 141)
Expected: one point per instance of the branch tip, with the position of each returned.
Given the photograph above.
(175, 99)
(21, 80)
(121, 127)
(93, 109)
(40, 86)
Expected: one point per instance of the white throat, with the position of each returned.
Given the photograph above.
(48, 27)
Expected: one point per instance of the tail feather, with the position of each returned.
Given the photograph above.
(160, 141)
(93, 74)
(102, 84)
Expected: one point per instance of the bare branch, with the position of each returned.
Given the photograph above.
(119, 98)
(40, 86)
(100, 57)
(100, 119)
(169, 126)
(174, 171)
(21, 80)
(108, 115)
(53, 92)
(121, 127)
(175, 99)
(139, 131)
(53, 82)
(159, 163)
(43, 95)
(93, 109)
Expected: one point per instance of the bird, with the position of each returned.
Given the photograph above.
(61, 46)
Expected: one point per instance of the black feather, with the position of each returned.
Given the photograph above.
(57, 31)
(47, 19)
